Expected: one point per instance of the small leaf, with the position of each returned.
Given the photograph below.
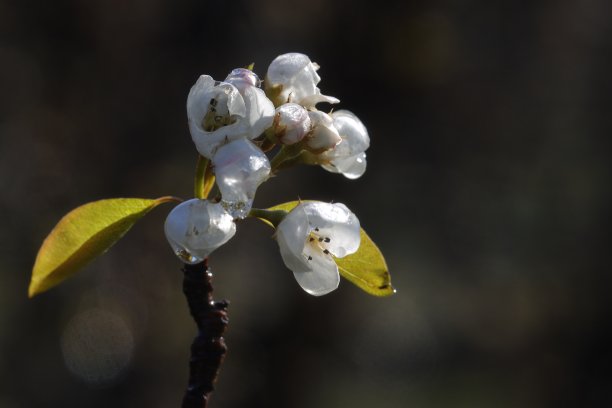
(83, 234)
(366, 268)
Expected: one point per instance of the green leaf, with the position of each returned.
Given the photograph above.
(83, 234)
(366, 268)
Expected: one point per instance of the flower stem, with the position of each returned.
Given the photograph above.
(273, 217)
(198, 180)
(208, 347)
(287, 156)
(204, 179)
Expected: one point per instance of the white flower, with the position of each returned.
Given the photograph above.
(291, 123)
(310, 236)
(195, 228)
(293, 78)
(219, 112)
(347, 157)
(240, 167)
(259, 109)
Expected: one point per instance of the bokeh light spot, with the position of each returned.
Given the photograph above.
(97, 346)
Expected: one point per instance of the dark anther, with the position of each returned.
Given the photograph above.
(309, 258)
(311, 239)
(316, 229)
(320, 239)
(326, 252)
(327, 239)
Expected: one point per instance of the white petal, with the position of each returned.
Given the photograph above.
(240, 167)
(195, 228)
(352, 131)
(297, 78)
(260, 111)
(336, 222)
(351, 167)
(291, 235)
(348, 156)
(324, 135)
(323, 276)
(207, 143)
(295, 72)
(198, 99)
(312, 100)
(242, 77)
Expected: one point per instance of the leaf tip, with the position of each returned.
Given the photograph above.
(387, 290)
(33, 290)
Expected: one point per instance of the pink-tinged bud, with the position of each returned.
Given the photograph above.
(241, 77)
(291, 123)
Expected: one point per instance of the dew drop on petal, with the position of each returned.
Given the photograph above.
(184, 255)
(238, 209)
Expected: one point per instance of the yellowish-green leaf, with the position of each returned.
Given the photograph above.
(366, 268)
(83, 234)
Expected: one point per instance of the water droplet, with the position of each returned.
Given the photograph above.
(237, 209)
(186, 256)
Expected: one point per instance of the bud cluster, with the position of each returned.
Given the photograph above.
(233, 124)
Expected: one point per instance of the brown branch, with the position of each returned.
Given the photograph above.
(208, 347)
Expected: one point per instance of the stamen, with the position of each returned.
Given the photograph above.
(327, 239)
(309, 258)
(326, 252)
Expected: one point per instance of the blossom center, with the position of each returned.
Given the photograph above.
(316, 243)
(217, 114)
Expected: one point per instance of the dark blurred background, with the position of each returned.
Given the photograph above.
(487, 189)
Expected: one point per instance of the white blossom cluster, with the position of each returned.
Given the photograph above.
(233, 123)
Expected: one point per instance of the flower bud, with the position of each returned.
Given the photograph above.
(240, 167)
(347, 157)
(293, 78)
(195, 228)
(291, 123)
(323, 135)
